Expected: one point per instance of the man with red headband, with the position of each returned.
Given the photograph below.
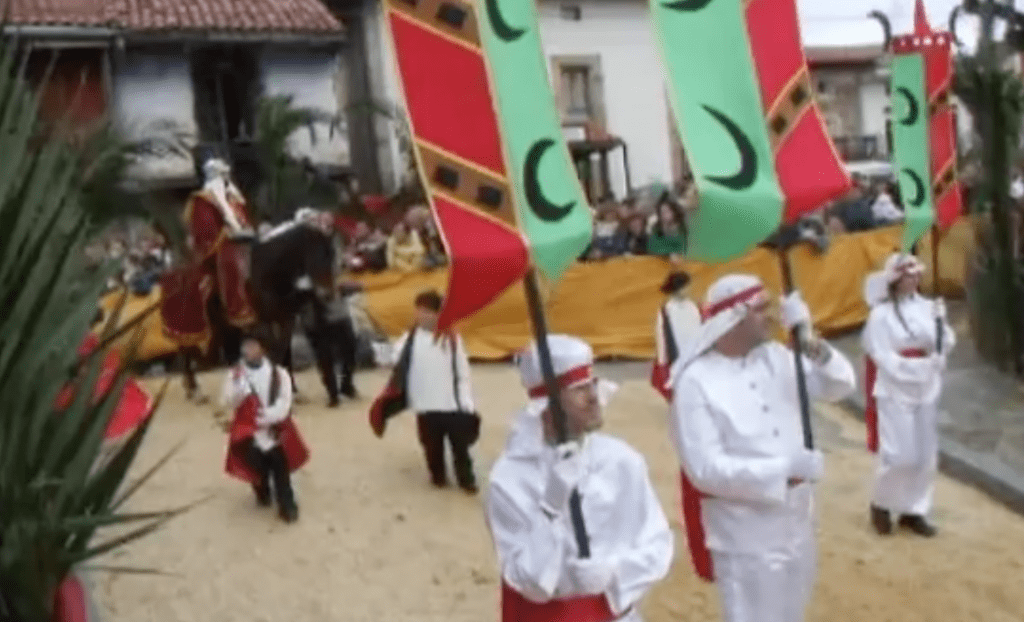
(907, 340)
(738, 432)
(544, 579)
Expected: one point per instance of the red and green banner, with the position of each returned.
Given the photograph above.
(459, 150)
(910, 160)
(744, 103)
(934, 48)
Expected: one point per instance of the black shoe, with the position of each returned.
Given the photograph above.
(289, 514)
(919, 525)
(262, 495)
(881, 521)
(469, 487)
(333, 402)
(349, 391)
(439, 482)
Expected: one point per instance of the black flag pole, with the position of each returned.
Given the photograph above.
(782, 241)
(798, 353)
(540, 333)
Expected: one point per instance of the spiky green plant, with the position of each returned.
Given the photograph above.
(61, 491)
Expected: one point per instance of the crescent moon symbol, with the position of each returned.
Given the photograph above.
(502, 28)
(911, 117)
(541, 206)
(744, 178)
(686, 5)
(918, 187)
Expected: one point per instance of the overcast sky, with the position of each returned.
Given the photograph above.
(845, 22)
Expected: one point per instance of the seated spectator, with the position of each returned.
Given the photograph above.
(147, 274)
(368, 249)
(633, 236)
(855, 210)
(405, 250)
(668, 234)
(606, 241)
(884, 209)
(421, 221)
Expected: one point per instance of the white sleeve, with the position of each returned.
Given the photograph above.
(879, 347)
(465, 381)
(532, 549)
(833, 380)
(229, 395)
(706, 461)
(278, 412)
(649, 558)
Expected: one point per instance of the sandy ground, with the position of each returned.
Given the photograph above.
(375, 542)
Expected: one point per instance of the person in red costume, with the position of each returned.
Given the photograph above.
(544, 579)
(218, 229)
(264, 446)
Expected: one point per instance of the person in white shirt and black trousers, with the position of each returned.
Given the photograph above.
(432, 378)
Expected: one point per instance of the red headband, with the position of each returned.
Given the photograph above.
(731, 301)
(569, 378)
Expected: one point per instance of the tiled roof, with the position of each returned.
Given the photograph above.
(305, 16)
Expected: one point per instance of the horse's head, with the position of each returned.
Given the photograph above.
(317, 233)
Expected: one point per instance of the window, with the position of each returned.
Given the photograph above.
(576, 85)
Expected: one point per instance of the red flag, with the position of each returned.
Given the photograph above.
(243, 426)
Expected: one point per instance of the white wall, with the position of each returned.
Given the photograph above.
(314, 78)
(636, 109)
(150, 89)
(873, 105)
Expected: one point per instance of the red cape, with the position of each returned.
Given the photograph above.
(71, 602)
(870, 406)
(134, 405)
(516, 608)
(242, 428)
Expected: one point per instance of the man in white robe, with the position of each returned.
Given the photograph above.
(544, 578)
(737, 413)
(906, 357)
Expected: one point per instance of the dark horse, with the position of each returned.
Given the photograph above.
(292, 264)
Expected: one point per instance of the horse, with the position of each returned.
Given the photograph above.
(288, 265)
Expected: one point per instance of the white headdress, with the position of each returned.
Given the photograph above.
(573, 363)
(876, 285)
(726, 304)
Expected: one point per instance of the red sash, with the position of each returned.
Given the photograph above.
(516, 608)
(243, 426)
(870, 405)
(693, 522)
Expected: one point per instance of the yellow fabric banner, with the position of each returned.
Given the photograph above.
(612, 304)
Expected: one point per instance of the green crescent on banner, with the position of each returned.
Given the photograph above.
(554, 214)
(910, 158)
(717, 103)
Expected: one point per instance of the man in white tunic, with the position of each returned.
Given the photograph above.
(264, 444)
(434, 371)
(544, 579)
(740, 441)
(906, 340)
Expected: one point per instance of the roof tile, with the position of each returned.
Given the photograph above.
(308, 16)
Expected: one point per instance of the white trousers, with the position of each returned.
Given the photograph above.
(766, 587)
(908, 456)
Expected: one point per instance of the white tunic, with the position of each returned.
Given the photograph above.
(684, 320)
(738, 421)
(432, 379)
(242, 381)
(907, 379)
(622, 514)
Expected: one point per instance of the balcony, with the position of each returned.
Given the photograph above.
(858, 148)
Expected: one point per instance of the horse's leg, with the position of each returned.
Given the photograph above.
(287, 327)
(193, 392)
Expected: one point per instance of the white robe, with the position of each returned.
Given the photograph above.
(433, 377)
(907, 391)
(623, 516)
(241, 381)
(738, 423)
